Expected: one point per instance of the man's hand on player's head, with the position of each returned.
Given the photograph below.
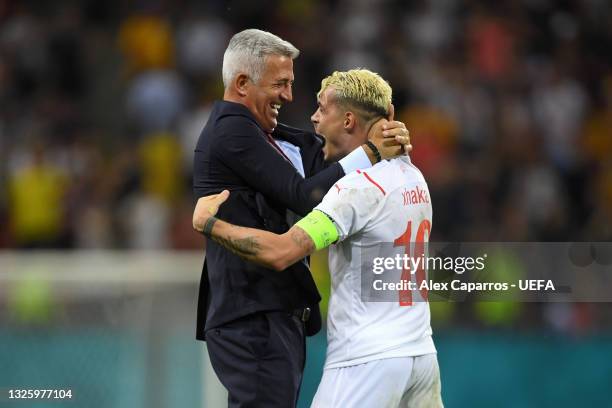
(207, 207)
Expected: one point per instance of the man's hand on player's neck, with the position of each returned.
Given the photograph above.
(390, 137)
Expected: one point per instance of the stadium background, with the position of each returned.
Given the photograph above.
(509, 105)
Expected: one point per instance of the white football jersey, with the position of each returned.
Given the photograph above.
(388, 203)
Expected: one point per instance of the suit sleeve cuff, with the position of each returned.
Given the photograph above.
(355, 160)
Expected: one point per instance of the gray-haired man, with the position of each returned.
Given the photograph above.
(254, 319)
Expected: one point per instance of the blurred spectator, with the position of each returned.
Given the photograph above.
(162, 167)
(491, 46)
(146, 222)
(559, 105)
(155, 99)
(436, 134)
(147, 42)
(201, 43)
(37, 190)
(190, 127)
(597, 142)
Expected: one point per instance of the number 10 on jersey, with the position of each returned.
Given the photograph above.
(413, 251)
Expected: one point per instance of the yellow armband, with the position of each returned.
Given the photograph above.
(320, 228)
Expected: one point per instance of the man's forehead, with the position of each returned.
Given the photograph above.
(280, 65)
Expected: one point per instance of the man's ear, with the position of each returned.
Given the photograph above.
(241, 84)
(350, 121)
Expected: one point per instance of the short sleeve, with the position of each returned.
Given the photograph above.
(350, 208)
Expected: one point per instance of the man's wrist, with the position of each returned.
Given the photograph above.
(208, 226)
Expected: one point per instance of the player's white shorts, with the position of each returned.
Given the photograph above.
(410, 382)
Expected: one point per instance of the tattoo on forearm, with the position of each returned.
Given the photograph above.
(248, 246)
(302, 239)
(208, 226)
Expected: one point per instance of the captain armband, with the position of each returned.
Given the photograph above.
(320, 228)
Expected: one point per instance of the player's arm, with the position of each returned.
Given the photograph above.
(274, 251)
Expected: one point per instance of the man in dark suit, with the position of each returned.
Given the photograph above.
(253, 319)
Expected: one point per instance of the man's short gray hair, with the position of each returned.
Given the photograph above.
(247, 52)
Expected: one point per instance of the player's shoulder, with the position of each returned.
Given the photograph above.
(385, 176)
(356, 188)
(356, 180)
(356, 196)
(408, 169)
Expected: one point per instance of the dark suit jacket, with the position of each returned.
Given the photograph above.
(232, 153)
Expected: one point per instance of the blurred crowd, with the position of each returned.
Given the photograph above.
(509, 105)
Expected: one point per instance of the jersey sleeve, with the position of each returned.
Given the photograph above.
(350, 208)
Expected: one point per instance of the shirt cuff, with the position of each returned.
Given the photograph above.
(355, 160)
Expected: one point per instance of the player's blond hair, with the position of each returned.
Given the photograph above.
(360, 89)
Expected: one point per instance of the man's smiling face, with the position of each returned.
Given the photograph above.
(274, 88)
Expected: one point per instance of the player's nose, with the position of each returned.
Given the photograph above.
(315, 117)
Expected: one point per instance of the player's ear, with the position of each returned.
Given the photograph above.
(350, 121)
(241, 83)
